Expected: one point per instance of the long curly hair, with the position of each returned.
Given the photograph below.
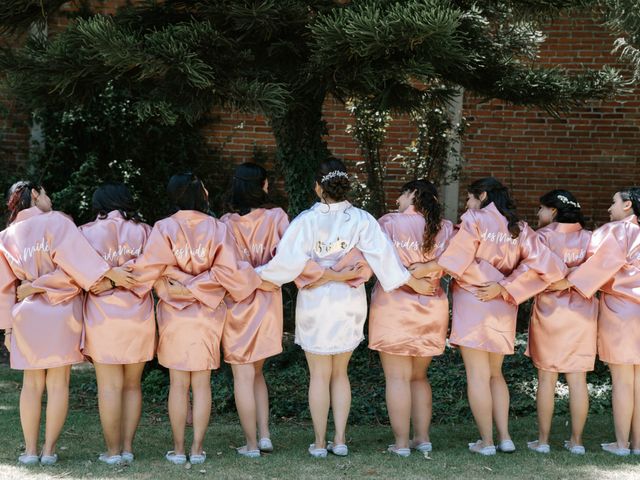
(426, 202)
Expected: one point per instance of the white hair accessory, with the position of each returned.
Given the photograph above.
(564, 199)
(333, 174)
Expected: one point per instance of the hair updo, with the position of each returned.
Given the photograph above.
(566, 204)
(338, 186)
(632, 194)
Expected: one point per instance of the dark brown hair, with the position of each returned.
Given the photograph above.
(426, 202)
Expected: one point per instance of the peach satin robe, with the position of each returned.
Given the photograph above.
(253, 328)
(119, 326)
(402, 322)
(482, 252)
(198, 251)
(48, 250)
(563, 327)
(613, 267)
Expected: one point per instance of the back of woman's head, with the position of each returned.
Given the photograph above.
(247, 189)
(566, 205)
(632, 194)
(426, 202)
(333, 178)
(497, 194)
(186, 192)
(19, 197)
(114, 196)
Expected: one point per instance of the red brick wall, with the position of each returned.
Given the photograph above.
(591, 150)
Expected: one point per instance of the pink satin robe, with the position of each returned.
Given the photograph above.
(253, 328)
(613, 267)
(402, 322)
(119, 326)
(482, 252)
(48, 250)
(198, 251)
(563, 327)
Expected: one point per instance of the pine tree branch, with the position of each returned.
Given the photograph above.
(19, 15)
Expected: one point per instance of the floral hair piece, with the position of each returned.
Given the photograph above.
(333, 174)
(565, 200)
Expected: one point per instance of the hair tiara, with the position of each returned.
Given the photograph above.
(333, 174)
(566, 201)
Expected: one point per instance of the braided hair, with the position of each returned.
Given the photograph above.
(499, 195)
(19, 197)
(426, 202)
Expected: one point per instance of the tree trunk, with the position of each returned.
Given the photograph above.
(300, 148)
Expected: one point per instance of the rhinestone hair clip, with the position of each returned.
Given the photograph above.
(565, 200)
(333, 174)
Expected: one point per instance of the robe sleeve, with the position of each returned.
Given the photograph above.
(150, 265)
(311, 273)
(227, 274)
(606, 255)
(350, 260)
(178, 302)
(71, 251)
(57, 286)
(282, 224)
(462, 248)
(292, 253)
(7, 293)
(381, 255)
(538, 268)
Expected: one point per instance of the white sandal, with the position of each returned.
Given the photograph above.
(176, 458)
(614, 449)
(477, 447)
(245, 452)
(48, 460)
(28, 459)
(197, 458)
(536, 446)
(339, 449)
(575, 449)
(401, 452)
(127, 457)
(317, 452)
(423, 447)
(265, 445)
(110, 459)
(506, 446)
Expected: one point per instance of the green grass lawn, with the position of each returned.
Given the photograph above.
(81, 442)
